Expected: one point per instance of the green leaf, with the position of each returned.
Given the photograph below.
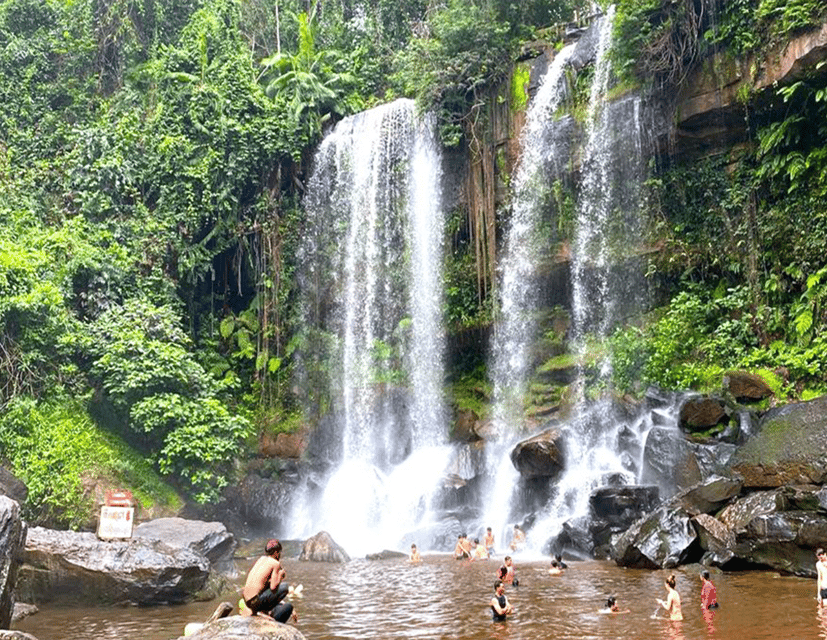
(227, 327)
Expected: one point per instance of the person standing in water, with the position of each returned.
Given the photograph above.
(672, 604)
(460, 551)
(414, 558)
(518, 539)
(821, 573)
(488, 541)
(506, 572)
(500, 606)
(478, 552)
(266, 587)
(709, 594)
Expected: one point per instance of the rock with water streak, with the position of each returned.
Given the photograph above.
(663, 539)
(790, 448)
(209, 539)
(669, 461)
(542, 456)
(77, 567)
(12, 538)
(245, 628)
(322, 548)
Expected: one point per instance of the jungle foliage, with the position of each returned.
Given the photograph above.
(152, 163)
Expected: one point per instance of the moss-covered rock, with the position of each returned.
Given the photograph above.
(790, 448)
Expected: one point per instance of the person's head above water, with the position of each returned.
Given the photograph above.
(670, 581)
(611, 602)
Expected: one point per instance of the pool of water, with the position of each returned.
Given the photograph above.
(445, 598)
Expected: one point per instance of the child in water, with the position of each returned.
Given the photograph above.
(612, 606)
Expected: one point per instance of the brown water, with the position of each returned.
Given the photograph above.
(444, 598)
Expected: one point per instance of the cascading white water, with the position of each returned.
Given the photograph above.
(607, 230)
(516, 327)
(608, 217)
(606, 226)
(374, 207)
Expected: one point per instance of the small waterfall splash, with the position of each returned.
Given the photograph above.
(373, 253)
(524, 250)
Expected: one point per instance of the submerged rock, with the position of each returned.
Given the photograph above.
(245, 628)
(322, 548)
(15, 635)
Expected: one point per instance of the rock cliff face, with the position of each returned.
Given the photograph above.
(714, 100)
(12, 539)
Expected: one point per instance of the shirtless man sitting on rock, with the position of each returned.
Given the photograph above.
(266, 588)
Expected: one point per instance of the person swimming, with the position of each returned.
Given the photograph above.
(555, 569)
(612, 606)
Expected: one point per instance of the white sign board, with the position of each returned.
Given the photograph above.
(115, 522)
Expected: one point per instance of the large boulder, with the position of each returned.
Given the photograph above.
(614, 510)
(717, 540)
(245, 628)
(746, 387)
(541, 456)
(702, 413)
(77, 567)
(12, 539)
(790, 448)
(663, 539)
(669, 460)
(209, 539)
(778, 529)
(709, 494)
(322, 548)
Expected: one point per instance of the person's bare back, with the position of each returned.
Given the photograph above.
(266, 569)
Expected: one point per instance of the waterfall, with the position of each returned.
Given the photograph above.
(525, 247)
(608, 226)
(598, 445)
(372, 255)
(601, 443)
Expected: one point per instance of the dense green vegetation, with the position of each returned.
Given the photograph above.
(151, 165)
(743, 234)
(152, 160)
